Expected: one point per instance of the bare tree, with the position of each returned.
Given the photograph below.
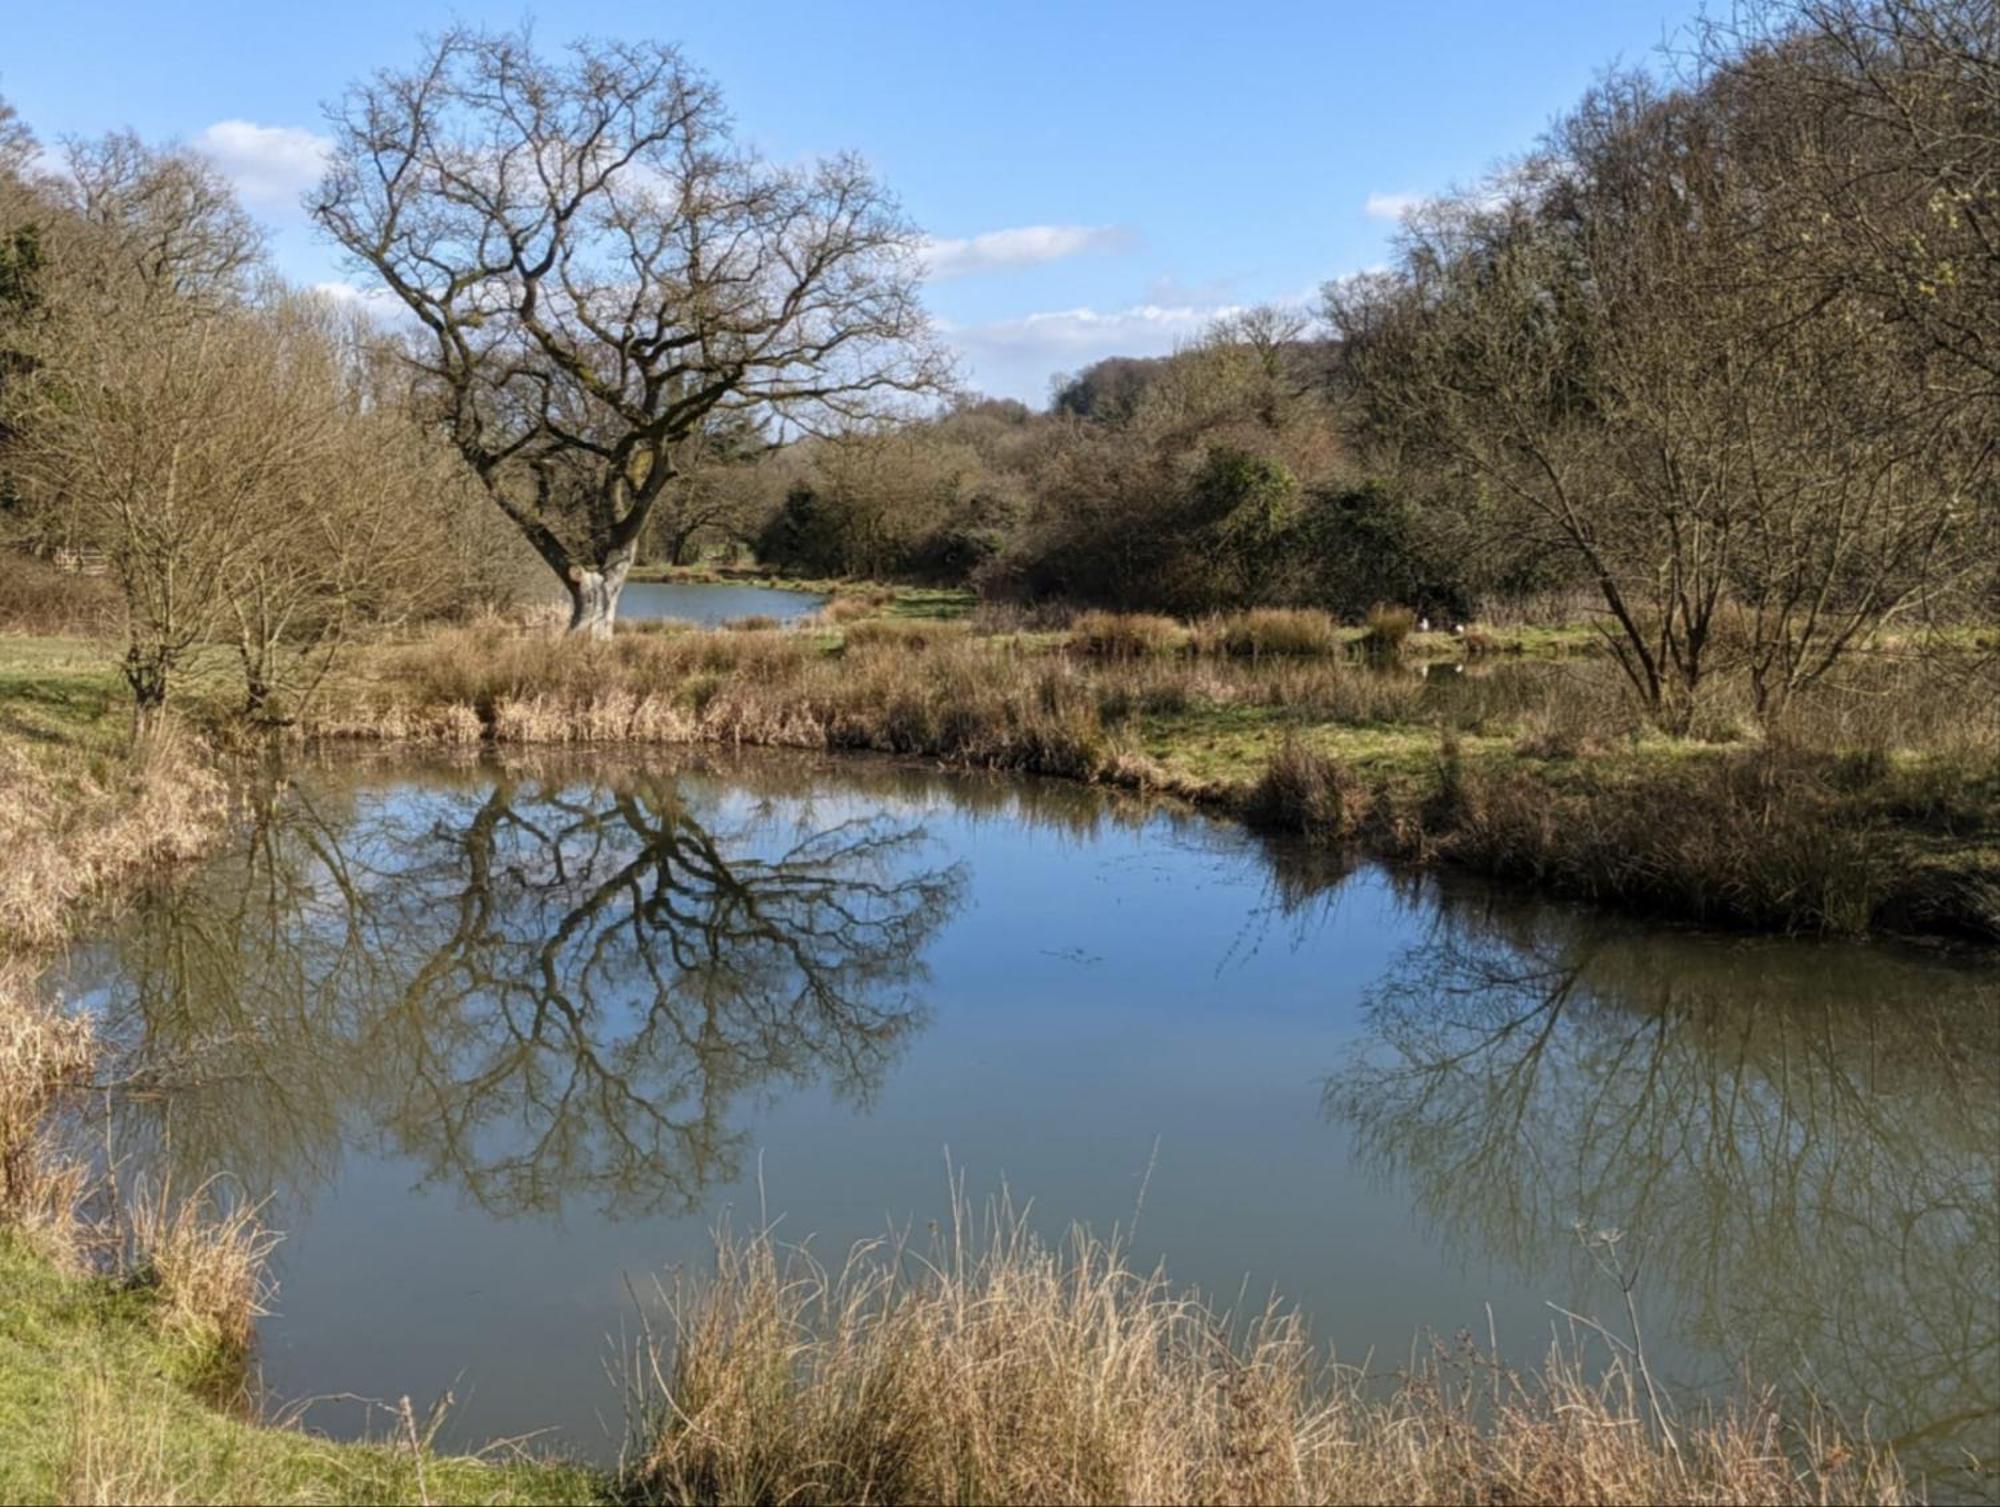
(353, 527)
(1635, 350)
(164, 224)
(598, 270)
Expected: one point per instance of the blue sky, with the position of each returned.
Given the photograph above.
(1133, 169)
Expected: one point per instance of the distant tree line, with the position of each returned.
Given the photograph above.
(1215, 477)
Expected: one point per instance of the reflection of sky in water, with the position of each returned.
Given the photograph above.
(1088, 998)
(712, 603)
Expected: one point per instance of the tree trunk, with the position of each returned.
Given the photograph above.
(148, 672)
(593, 596)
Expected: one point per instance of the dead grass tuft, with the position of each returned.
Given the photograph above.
(1270, 631)
(203, 1257)
(1388, 627)
(1307, 792)
(1124, 635)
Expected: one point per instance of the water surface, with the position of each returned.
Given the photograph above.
(713, 603)
(505, 1041)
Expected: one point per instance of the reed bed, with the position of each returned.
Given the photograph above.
(998, 1367)
(76, 832)
(45, 1053)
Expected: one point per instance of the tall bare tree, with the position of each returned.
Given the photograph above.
(598, 269)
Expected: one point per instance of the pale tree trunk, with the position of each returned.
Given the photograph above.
(593, 596)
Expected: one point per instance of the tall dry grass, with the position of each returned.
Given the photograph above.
(996, 1367)
(45, 1052)
(204, 1257)
(74, 831)
(1388, 627)
(1124, 635)
(1270, 631)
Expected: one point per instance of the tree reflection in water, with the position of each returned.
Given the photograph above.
(1803, 1163)
(537, 988)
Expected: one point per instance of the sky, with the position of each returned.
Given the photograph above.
(1097, 178)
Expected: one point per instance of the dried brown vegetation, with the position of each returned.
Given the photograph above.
(74, 832)
(1000, 1368)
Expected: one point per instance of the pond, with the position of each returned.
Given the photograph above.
(504, 1041)
(711, 603)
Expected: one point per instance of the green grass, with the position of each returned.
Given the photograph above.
(91, 1409)
(1230, 744)
(62, 691)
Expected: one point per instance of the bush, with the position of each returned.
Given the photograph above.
(1365, 542)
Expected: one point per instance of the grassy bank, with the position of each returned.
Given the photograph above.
(1875, 805)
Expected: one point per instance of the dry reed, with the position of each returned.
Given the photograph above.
(44, 1053)
(996, 1367)
(73, 836)
(1124, 635)
(204, 1258)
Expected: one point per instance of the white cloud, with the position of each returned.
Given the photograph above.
(1392, 206)
(1155, 326)
(1016, 357)
(1023, 246)
(270, 166)
(376, 303)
